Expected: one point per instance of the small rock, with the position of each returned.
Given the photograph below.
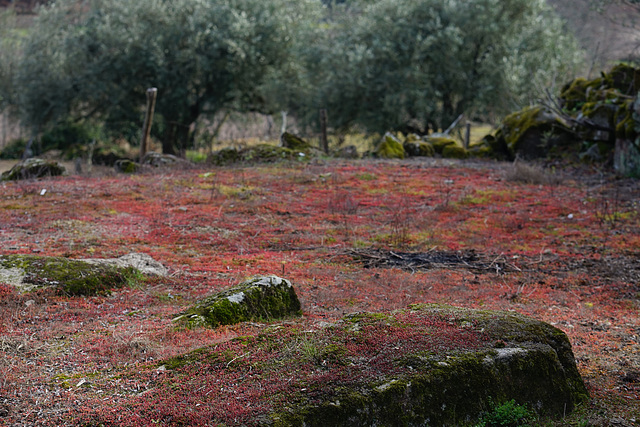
(262, 297)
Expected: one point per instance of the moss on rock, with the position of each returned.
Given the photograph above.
(440, 141)
(261, 153)
(532, 132)
(33, 168)
(390, 148)
(294, 142)
(424, 365)
(69, 277)
(261, 297)
(454, 152)
(225, 156)
(126, 166)
(417, 148)
(624, 78)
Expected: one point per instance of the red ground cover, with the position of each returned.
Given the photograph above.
(565, 253)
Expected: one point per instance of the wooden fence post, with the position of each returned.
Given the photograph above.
(323, 128)
(148, 119)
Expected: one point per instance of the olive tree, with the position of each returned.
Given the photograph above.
(203, 56)
(418, 64)
(10, 42)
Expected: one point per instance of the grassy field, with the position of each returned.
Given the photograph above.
(562, 249)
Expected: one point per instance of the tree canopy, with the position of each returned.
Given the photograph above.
(203, 56)
(418, 64)
(376, 64)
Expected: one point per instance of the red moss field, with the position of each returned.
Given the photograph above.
(351, 236)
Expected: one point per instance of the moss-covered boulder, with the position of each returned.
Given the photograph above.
(261, 153)
(455, 152)
(390, 147)
(624, 78)
(142, 262)
(126, 166)
(447, 367)
(532, 132)
(440, 141)
(32, 169)
(69, 277)
(425, 365)
(294, 142)
(259, 298)
(224, 156)
(417, 148)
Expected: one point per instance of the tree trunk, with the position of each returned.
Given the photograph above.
(169, 139)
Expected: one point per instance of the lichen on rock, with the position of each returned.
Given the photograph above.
(67, 276)
(259, 298)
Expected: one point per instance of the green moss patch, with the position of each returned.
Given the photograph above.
(69, 277)
(259, 298)
(424, 365)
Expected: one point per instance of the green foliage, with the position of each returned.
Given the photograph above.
(507, 414)
(67, 134)
(13, 150)
(11, 39)
(208, 56)
(418, 64)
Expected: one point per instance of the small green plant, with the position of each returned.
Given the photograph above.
(507, 414)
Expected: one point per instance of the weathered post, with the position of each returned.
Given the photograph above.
(152, 92)
(323, 127)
